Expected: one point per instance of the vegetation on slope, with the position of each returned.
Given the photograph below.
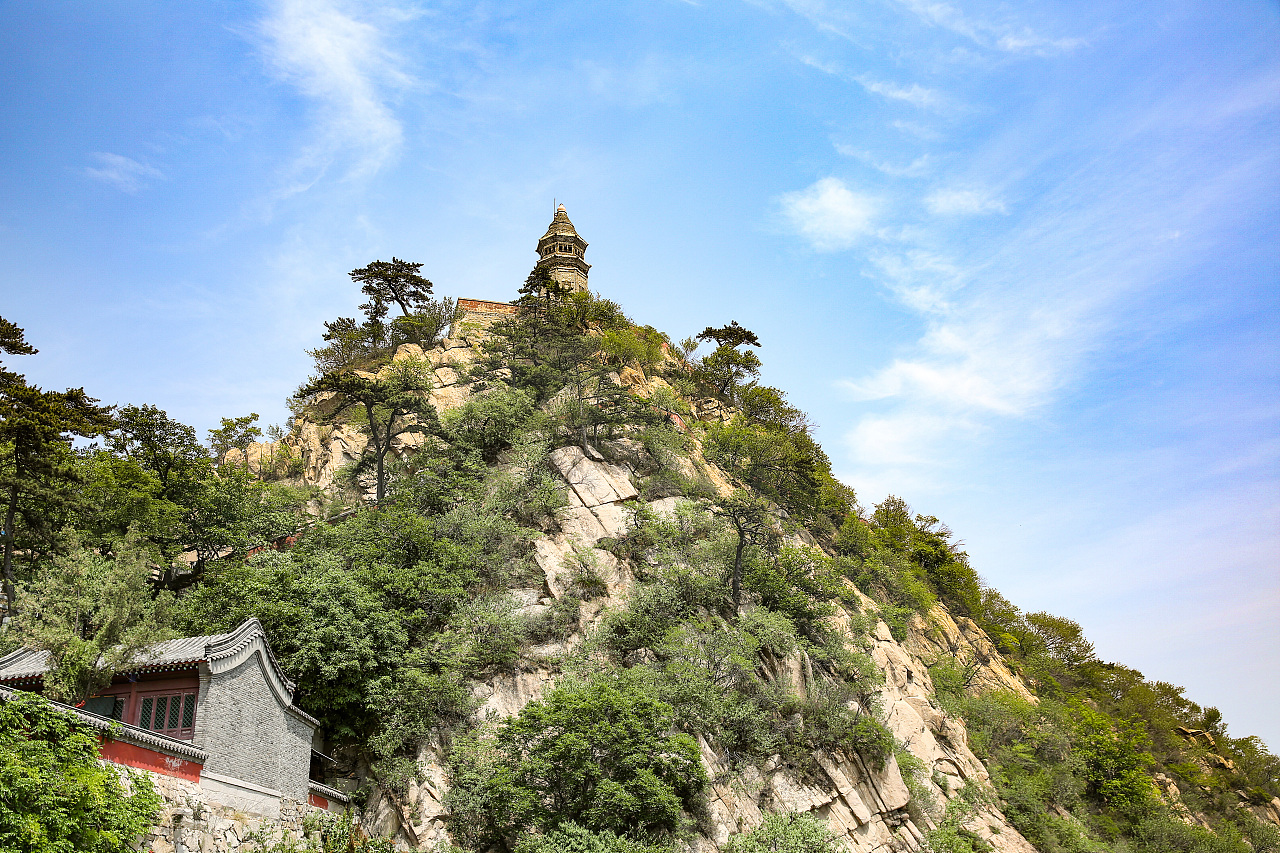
(388, 616)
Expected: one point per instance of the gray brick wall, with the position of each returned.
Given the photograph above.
(249, 735)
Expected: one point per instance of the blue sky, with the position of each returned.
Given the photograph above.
(1019, 261)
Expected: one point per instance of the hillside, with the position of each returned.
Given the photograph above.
(633, 505)
(555, 582)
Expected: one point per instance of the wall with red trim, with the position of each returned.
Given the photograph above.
(132, 755)
(485, 305)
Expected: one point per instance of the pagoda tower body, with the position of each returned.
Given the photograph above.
(560, 254)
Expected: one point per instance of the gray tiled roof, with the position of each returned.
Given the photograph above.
(183, 650)
(25, 664)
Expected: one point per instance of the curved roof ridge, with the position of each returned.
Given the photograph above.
(26, 663)
(226, 645)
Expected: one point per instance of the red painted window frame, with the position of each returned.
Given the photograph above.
(133, 692)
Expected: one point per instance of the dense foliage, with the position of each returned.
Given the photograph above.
(744, 629)
(599, 754)
(55, 796)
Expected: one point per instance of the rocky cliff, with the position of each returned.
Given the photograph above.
(868, 808)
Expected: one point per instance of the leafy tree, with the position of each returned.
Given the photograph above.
(237, 433)
(165, 447)
(854, 538)
(13, 340)
(727, 370)
(592, 405)
(638, 346)
(331, 633)
(1060, 650)
(393, 281)
(391, 407)
(1114, 756)
(94, 614)
(753, 523)
(540, 291)
(55, 795)
(398, 282)
(230, 513)
(490, 421)
(799, 583)
(36, 470)
(783, 466)
(894, 528)
(731, 335)
(571, 838)
(350, 343)
(596, 754)
(115, 495)
(547, 340)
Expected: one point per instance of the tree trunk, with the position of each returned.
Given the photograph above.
(10, 590)
(737, 573)
(381, 453)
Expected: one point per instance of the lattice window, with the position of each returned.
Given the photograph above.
(172, 714)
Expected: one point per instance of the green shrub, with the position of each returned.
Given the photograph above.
(55, 795)
(831, 720)
(598, 754)
(489, 422)
(785, 833)
(950, 835)
(571, 838)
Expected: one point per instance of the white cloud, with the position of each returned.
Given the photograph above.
(916, 168)
(123, 172)
(995, 367)
(899, 439)
(1010, 38)
(915, 94)
(922, 280)
(952, 202)
(343, 65)
(828, 214)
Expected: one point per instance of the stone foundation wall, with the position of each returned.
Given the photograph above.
(193, 822)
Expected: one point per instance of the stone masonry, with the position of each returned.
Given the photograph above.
(248, 738)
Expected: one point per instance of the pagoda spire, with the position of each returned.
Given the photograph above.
(561, 253)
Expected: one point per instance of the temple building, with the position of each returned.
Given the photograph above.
(216, 711)
(561, 252)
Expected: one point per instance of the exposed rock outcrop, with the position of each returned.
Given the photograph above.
(870, 808)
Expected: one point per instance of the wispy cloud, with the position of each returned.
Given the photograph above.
(923, 281)
(916, 168)
(828, 214)
(122, 172)
(340, 60)
(915, 94)
(1007, 37)
(1010, 36)
(1005, 365)
(953, 202)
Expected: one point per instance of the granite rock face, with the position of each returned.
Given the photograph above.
(871, 809)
